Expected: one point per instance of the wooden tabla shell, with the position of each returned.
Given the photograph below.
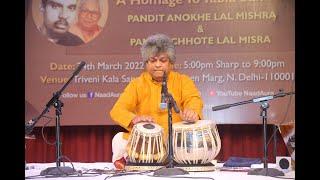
(195, 143)
(146, 144)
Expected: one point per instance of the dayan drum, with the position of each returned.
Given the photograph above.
(146, 144)
(195, 143)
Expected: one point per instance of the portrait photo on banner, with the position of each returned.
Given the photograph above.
(70, 22)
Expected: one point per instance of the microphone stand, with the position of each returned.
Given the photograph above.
(55, 102)
(264, 105)
(170, 170)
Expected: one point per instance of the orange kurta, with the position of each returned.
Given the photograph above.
(142, 96)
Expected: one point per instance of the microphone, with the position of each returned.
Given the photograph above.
(175, 106)
(218, 108)
(79, 68)
(164, 91)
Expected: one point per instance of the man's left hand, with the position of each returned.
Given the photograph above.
(189, 115)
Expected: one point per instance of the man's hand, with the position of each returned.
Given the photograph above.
(142, 118)
(189, 115)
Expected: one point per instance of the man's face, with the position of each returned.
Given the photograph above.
(158, 64)
(59, 15)
(89, 14)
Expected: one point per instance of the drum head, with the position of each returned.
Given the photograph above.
(147, 127)
(187, 125)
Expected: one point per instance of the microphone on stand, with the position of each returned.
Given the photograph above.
(167, 102)
(165, 95)
(218, 108)
(76, 72)
(164, 91)
(175, 106)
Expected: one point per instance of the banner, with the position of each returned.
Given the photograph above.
(234, 50)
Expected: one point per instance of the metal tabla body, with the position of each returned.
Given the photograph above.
(196, 144)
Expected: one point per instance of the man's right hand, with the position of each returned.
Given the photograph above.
(142, 118)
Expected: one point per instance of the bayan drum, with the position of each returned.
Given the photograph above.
(146, 147)
(195, 145)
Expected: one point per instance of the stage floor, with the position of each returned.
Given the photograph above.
(101, 171)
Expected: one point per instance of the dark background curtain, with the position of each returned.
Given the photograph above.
(93, 143)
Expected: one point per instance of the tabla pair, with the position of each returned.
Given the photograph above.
(193, 143)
